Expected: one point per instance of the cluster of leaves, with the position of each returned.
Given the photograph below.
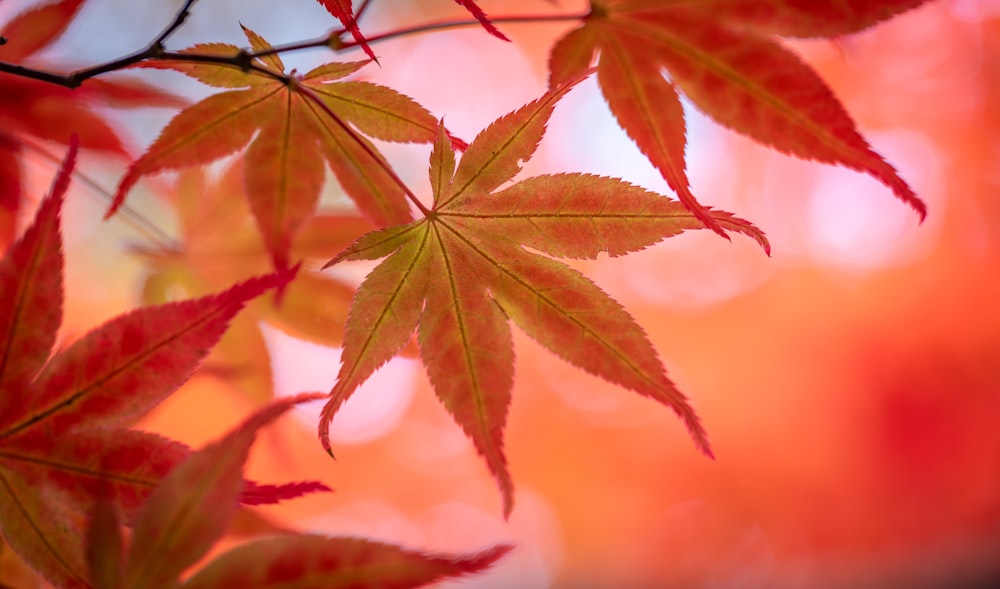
(70, 463)
(455, 271)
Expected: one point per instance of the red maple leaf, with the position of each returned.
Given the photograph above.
(64, 419)
(721, 55)
(190, 509)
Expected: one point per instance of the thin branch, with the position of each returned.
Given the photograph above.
(143, 225)
(75, 78)
(455, 24)
(325, 41)
(361, 9)
(244, 60)
(179, 20)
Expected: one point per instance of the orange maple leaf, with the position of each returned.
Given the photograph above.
(461, 273)
(720, 54)
(299, 122)
(41, 110)
(64, 420)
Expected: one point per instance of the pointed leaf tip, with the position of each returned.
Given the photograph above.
(31, 275)
(190, 509)
(307, 561)
(484, 20)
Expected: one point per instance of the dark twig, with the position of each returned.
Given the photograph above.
(179, 20)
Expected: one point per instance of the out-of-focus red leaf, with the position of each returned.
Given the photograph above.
(44, 533)
(105, 558)
(461, 273)
(31, 307)
(121, 370)
(317, 562)
(192, 506)
(484, 20)
(343, 10)
(794, 18)
(61, 443)
(36, 28)
(122, 466)
(219, 245)
(10, 188)
(50, 112)
(257, 494)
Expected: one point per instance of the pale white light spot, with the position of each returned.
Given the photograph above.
(473, 82)
(854, 221)
(373, 410)
(533, 529)
(583, 135)
(692, 270)
(598, 401)
(371, 519)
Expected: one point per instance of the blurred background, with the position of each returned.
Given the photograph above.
(850, 383)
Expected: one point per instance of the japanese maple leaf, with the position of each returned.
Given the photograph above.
(219, 245)
(484, 20)
(192, 507)
(460, 273)
(63, 419)
(32, 109)
(292, 125)
(720, 54)
(344, 11)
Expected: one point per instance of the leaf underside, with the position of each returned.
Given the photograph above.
(461, 273)
(720, 55)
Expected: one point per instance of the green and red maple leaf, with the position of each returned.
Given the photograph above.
(460, 274)
(722, 55)
(292, 125)
(35, 110)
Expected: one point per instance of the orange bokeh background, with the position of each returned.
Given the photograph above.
(850, 383)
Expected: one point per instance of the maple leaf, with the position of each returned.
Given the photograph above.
(459, 274)
(343, 10)
(63, 420)
(484, 20)
(193, 505)
(719, 54)
(299, 122)
(35, 109)
(219, 246)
